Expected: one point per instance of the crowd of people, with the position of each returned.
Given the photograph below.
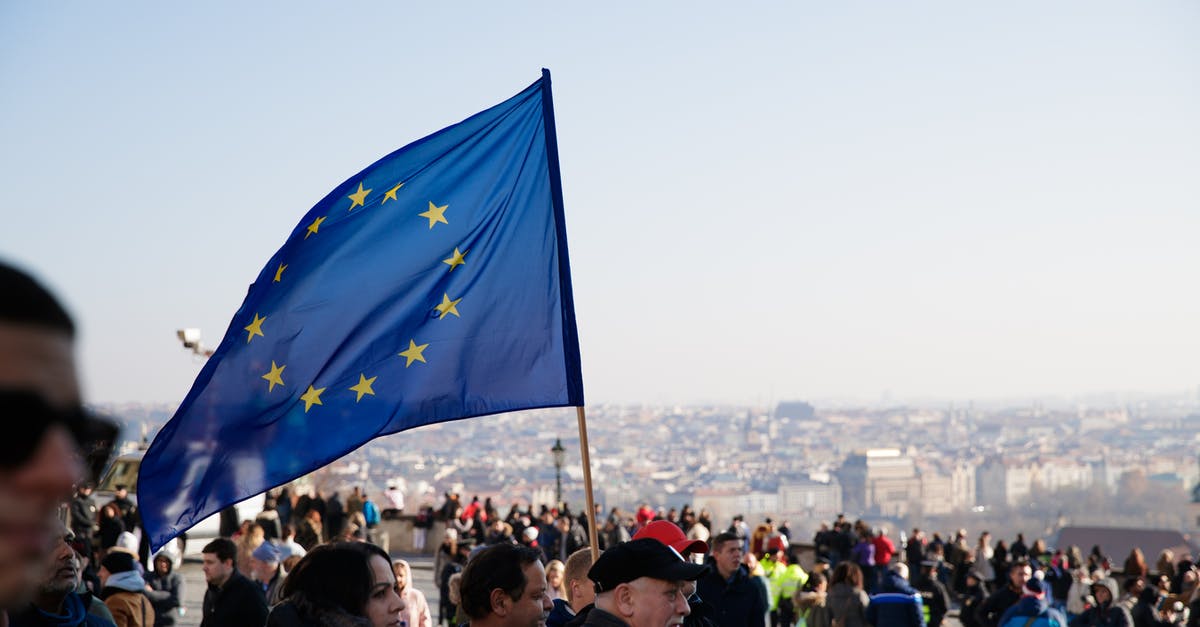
(310, 561)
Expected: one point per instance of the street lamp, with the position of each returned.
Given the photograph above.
(560, 455)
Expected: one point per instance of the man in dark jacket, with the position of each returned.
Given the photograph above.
(897, 604)
(989, 612)
(85, 518)
(973, 596)
(232, 600)
(738, 600)
(641, 583)
(934, 595)
(166, 590)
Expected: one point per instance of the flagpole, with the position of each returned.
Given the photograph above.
(587, 482)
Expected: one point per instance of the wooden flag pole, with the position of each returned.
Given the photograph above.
(587, 482)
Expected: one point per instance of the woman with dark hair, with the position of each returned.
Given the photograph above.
(346, 584)
(846, 600)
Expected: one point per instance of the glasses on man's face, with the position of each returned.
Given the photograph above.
(28, 417)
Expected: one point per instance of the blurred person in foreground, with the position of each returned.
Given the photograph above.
(57, 602)
(505, 586)
(344, 584)
(641, 583)
(48, 436)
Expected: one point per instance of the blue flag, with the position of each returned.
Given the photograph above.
(432, 286)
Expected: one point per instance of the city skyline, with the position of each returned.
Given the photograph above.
(843, 204)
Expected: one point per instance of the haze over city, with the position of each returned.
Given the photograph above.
(855, 202)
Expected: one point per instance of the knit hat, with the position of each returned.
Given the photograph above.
(1033, 588)
(267, 552)
(119, 562)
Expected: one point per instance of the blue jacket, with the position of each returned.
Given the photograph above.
(898, 605)
(1032, 606)
(560, 614)
(739, 602)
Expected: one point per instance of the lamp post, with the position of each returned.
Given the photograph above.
(560, 455)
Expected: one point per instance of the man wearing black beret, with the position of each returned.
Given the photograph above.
(641, 583)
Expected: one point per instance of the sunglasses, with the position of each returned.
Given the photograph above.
(28, 417)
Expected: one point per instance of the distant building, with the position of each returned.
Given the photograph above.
(796, 410)
(725, 504)
(1003, 482)
(810, 500)
(880, 482)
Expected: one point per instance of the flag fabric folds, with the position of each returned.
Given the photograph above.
(432, 286)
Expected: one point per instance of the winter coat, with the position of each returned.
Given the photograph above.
(1029, 607)
(298, 612)
(238, 603)
(123, 594)
(813, 608)
(560, 615)
(741, 602)
(167, 594)
(898, 605)
(74, 614)
(1108, 615)
(848, 604)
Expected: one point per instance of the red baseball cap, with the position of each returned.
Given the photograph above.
(671, 535)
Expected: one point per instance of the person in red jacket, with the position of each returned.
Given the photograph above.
(884, 550)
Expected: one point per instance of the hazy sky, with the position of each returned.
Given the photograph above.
(764, 200)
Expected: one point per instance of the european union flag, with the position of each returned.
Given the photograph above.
(432, 286)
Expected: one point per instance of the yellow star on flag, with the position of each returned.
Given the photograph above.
(457, 259)
(312, 228)
(435, 214)
(448, 306)
(391, 193)
(275, 376)
(311, 397)
(414, 353)
(279, 272)
(357, 198)
(254, 328)
(363, 387)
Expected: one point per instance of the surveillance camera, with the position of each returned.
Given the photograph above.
(189, 337)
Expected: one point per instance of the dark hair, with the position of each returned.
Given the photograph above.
(1021, 563)
(335, 576)
(814, 580)
(848, 573)
(722, 538)
(500, 566)
(27, 302)
(223, 548)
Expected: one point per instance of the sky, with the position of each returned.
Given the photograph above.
(764, 201)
